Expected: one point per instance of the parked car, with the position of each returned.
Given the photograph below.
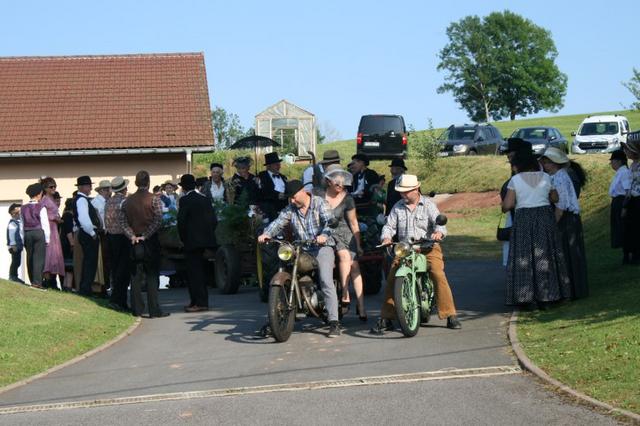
(470, 139)
(540, 137)
(382, 136)
(600, 134)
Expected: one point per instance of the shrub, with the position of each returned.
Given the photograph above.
(424, 144)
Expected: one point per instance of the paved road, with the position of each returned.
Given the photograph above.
(218, 350)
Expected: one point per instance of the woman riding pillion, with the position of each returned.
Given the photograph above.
(310, 219)
(413, 218)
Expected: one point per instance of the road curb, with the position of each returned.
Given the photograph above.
(528, 365)
(72, 361)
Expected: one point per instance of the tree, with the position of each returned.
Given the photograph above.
(226, 127)
(634, 87)
(501, 66)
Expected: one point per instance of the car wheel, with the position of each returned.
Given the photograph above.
(473, 152)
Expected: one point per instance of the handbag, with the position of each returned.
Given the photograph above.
(503, 234)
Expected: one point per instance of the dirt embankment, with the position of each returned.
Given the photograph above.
(454, 203)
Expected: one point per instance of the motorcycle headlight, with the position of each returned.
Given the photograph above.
(460, 148)
(285, 252)
(402, 249)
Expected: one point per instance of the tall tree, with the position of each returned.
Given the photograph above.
(502, 65)
(634, 87)
(226, 127)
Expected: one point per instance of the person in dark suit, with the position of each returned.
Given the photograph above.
(196, 226)
(397, 169)
(271, 195)
(363, 179)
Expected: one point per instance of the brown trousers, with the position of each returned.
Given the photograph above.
(444, 298)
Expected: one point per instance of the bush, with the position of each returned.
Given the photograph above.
(424, 144)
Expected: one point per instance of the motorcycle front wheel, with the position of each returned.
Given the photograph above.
(281, 315)
(406, 297)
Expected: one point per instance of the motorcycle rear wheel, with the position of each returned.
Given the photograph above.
(406, 297)
(281, 316)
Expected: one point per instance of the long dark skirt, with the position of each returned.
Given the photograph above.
(632, 226)
(536, 270)
(617, 222)
(572, 240)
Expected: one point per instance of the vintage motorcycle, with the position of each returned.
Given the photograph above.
(295, 288)
(413, 289)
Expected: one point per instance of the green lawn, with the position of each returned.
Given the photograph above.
(41, 329)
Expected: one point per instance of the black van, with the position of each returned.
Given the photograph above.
(382, 136)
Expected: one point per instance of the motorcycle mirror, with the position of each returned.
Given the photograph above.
(432, 194)
(441, 220)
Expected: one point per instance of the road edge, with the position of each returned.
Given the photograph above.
(75, 360)
(528, 365)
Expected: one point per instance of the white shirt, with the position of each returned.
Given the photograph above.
(359, 189)
(307, 177)
(531, 188)
(621, 182)
(83, 214)
(568, 200)
(217, 192)
(13, 227)
(278, 182)
(44, 222)
(99, 202)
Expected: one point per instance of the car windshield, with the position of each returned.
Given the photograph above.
(459, 133)
(381, 125)
(606, 128)
(533, 133)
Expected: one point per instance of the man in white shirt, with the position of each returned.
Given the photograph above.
(271, 182)
(88, 222)
(312, 177)
(100, 200)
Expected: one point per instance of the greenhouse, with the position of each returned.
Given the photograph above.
(291, 126)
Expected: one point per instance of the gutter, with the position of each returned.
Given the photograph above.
(80, 153)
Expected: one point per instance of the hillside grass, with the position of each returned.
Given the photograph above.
(41, 329)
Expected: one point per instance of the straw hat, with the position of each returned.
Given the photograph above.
(407, 183)
(556, 155)
(104, 184)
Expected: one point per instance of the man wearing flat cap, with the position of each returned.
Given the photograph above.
(196, 226)
(271, 184)
(87, 220)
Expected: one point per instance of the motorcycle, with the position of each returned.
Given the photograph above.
(295, 288)
(414, 293)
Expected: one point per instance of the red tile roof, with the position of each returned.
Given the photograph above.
(104, 102)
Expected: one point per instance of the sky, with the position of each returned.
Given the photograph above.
(336, 59)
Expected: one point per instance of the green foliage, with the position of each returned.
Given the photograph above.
(226, 127)
(634, 87)
(501, 66)
(234, 223)
(424, 144)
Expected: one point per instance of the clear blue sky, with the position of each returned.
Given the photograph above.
(337, 59)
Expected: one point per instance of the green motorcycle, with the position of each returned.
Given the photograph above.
(414, 292)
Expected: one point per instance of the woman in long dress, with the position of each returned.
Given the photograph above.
(54, 260)
(618, 190)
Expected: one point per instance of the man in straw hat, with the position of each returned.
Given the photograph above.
(118, 245)
(271, 183)
(102, 282)
(310, 218)
(411, 219)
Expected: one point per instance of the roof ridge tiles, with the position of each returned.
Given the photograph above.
(110, 56)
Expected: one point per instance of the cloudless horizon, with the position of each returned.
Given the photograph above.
(338, 60)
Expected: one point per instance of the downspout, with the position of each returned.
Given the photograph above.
(188, 157)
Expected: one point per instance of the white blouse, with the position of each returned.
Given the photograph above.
(531, 188)
(621, 182)
(217, 192)
(566, 192)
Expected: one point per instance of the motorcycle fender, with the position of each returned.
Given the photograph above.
(280, 278)
(420, 263)
(403, 271)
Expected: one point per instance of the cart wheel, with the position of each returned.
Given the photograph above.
(371, 277)
(227, 270)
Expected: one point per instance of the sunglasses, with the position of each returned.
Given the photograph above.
(51, 187)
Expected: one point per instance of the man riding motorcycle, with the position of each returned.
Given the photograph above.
(413, 218)
(310, 219)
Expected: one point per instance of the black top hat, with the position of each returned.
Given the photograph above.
(271, 158)
(215, 165)
(201, 180)
(518, 144)
(83, 180)
(293, 187)
(330, 156)
(361, 157)
(619, 155)
(398, 162)
(187, 181)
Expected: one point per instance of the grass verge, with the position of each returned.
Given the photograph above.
(39, 330)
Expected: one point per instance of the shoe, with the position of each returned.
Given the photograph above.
(196, 308)
(115, 307)
(265, 331)
(381, 326)
(189, 306)
(334, 329)
(453, 323)
(344, 307)
(160, 315)
(38, 286)
(362, 318)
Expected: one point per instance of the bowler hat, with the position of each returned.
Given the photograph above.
(517, 144)
(398, 162)
(619, 154)
(361, 157)
(119, 183)
(330, 156)
(293, 187)
(83, 180)
(187, 181)
(271, 158)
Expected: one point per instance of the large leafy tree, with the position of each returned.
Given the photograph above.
(502, 65)
(226, 127)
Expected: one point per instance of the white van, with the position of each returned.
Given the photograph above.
(600, 134)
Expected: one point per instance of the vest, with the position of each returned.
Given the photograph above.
(93, 213)
(139, 211)
(31, 216)
(17, 237)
